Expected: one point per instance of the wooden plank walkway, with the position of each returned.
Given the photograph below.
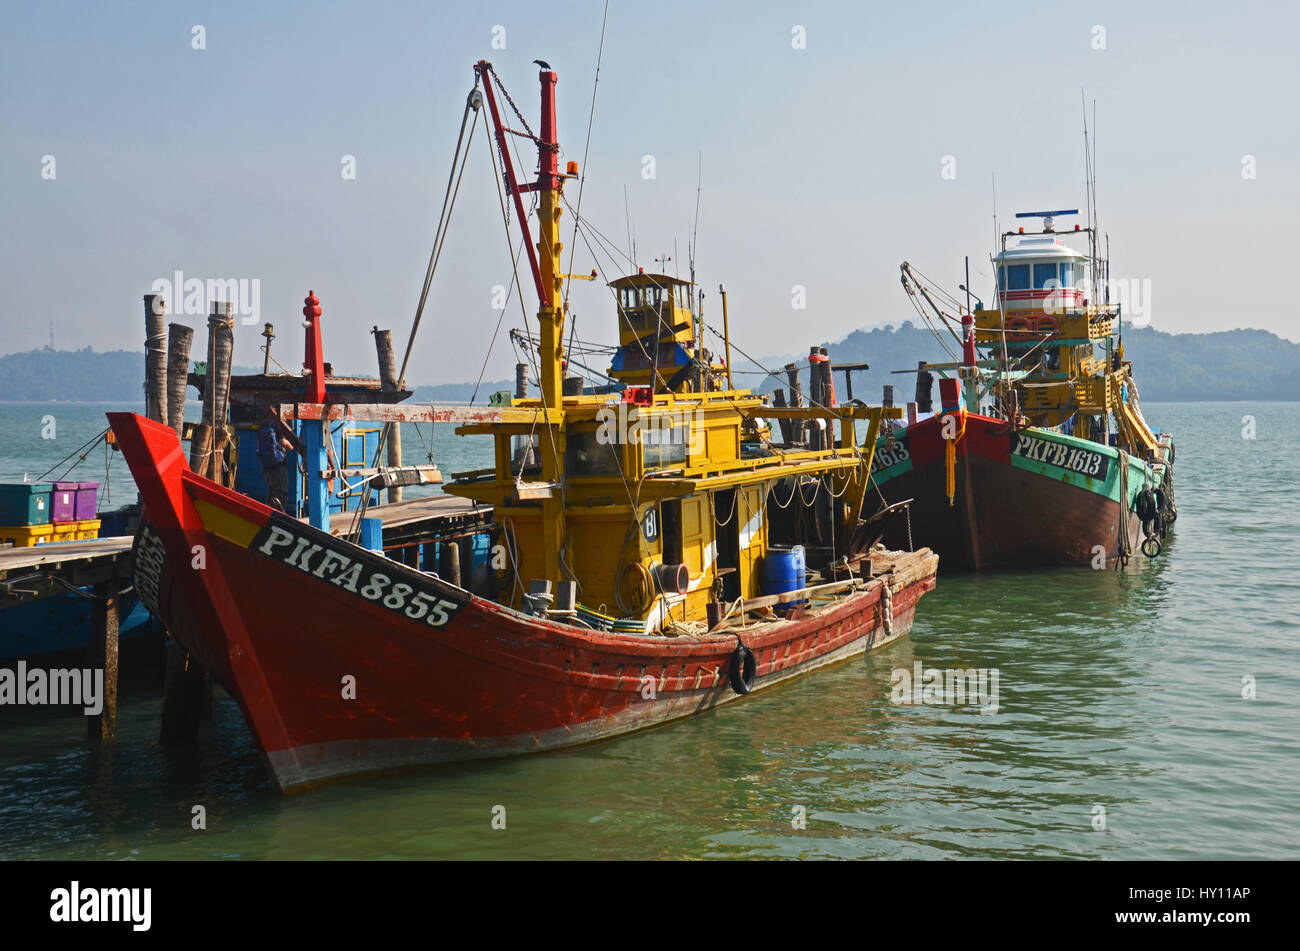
(399, 514)
(30, 573)
(417, 520)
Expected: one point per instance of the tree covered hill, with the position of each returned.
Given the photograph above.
(1227, 365)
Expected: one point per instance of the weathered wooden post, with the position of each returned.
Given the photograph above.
(222, 328)
(103, 655)
(186, 697)
(155, 358)
(388, 383)
(818, 395)
(179, 339)
(449, 569)
(209, 436)
(521, 381)
(798, 427)
(778, 399)
(924, 388)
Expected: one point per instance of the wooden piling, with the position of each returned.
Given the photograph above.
(798, 428)
(186, 697)
(819, 395)
(209, 437)
(449, 569)
(103, 655)
(521, 381)
(179, 339)
(389, 382)
(828, 390)
(155, 358)
(778, 399)
(924, 387)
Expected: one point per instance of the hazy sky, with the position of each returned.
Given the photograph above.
(823, 167)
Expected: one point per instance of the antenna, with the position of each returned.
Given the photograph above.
(627, 216)
(994, 177)
(1089, 205)
(695, 229)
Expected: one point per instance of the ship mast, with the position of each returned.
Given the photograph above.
(548, 277)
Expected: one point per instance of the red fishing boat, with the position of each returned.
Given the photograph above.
(637, 577)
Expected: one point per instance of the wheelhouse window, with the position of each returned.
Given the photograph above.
(588, 454)
(1043, 274)
(1015, 277)
(1067, 274)
(665, 445)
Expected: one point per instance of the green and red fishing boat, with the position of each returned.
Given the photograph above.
(1038, 453)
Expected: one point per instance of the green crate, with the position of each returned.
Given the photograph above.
(25, 503)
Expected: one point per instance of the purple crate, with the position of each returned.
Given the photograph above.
(87, 500)
(63, 502)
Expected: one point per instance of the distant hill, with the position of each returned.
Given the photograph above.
(461, 392)
(1227, 365)
(73, 375)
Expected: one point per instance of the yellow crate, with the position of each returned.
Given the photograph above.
(25, 536)
(88, 528)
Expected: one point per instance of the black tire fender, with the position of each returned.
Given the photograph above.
(743, 671)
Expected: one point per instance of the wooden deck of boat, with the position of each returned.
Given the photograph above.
(398, 514)
(420, 520)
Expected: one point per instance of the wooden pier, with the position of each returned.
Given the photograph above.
(43, 570)
(101, 569)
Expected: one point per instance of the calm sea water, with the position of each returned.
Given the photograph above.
(1120, 692)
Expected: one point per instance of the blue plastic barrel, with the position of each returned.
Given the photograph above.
(784, 570)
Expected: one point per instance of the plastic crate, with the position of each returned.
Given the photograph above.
(88, 528)
(63, 502)
(25, 536)
(87, 501)
(25, 503)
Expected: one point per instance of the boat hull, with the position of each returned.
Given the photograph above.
(345, 662)
(1034, 497)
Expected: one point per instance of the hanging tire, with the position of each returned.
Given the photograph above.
(1151, 547)
(744, 670)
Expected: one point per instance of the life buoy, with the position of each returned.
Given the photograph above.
(1017, 329)
(743, 671)
(1051, 323)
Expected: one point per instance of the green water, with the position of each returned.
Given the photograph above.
(1119, 691)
